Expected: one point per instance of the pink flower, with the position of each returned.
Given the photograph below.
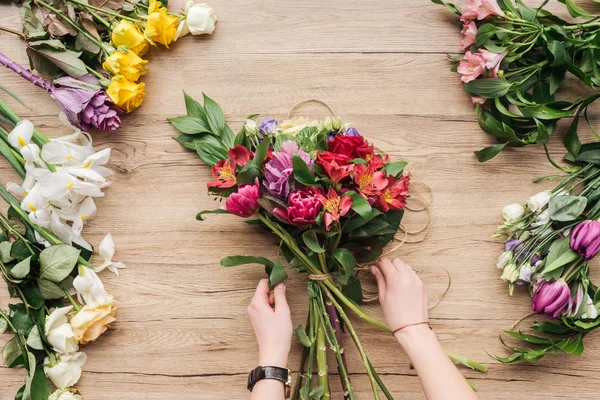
(304, 206)
(470, 32)
(471, 66)
(480, 9)
(244, 203)
(492, 61)
(551, 298)
(335, 206)
(478, 100)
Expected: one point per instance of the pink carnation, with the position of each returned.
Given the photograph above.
(471, 67)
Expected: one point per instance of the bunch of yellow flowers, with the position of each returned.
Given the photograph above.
(132, 40)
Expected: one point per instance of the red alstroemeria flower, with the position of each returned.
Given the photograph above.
(369, 181)
(350, 146)
(224, 174)
(375, 161)
(240, 155)
(336, 166)
(393, 197)
(335, 206)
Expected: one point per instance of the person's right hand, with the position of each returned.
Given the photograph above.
(272, 323)
(403, 296)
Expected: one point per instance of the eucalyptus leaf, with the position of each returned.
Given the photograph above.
(57, 262)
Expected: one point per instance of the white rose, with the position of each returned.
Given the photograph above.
(504, 259)
(59, 332)
(199, 19)
(512, 212)
(541, 219)
(66, 371)
(89, 287)
(65, 394)
(538, 201)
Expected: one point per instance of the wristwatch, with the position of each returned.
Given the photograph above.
(283, 375)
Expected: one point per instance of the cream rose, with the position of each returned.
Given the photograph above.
(65, 394)
(59, 332)
(66, 370)
(92, 321)
(293, 126)
(199, 19)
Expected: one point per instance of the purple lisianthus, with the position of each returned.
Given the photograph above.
(351, 132)
(85, 103)
(267, 126)
(279, 171)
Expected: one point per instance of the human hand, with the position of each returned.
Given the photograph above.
(402, 294)
(270, 317)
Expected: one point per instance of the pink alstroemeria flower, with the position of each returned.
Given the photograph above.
(478, 100)
(492, 61)
(470, 32)
(471, 67)
(480, 9)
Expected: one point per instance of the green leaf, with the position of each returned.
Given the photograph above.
(57, 262)
(216, 121)
(186, 141)
(449, 6)
(276, 273)
(545, 112)
(68, 61)
(302, 337)
(557, 49)
(234, 261)
(5, 256)
(312, 242)
(7, 153)
(20, 320)
(200, 215)
(316, 393)
(36, 386)
(489, 152)
(261, 152)
(574, 10)
(353, 290)
(360, 205)
(189, 125)
(32, 295)
(210, 149)
(301, 171)
(572, 346)
(550, 327)
(50, 290)
(395, 169)
(19, 250)
(11, 354)
(564, 259)
(194, 108)
(21, 270)
(485, 33)
(347, 261)
(566, 208)
(32, 27)
(557, 78)
(530, 338)
(589, 156)
(488, 88)
(571, 140)
(34, 340)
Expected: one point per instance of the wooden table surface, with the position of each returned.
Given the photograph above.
(182, 330)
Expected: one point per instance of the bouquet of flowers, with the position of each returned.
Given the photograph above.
(331, 199)
(515, 60)
(99, 46)
(550, 242)
(46, 262)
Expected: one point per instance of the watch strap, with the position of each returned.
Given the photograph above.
(269, 372)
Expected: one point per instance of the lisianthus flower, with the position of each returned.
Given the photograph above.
(336, 166)
(471, 67)
(393, 196)
(199, 19)
(130, 35)
(240, 155)
(160, 26)
(224, 174)
(304, 206)
(244, 203)
(336, 206)
(279, 170)
(492, 61)
(125, 63)
(126, 94)
(469, 31)
(369, 181)
(267, 126)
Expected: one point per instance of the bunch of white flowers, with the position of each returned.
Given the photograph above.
(62, 179)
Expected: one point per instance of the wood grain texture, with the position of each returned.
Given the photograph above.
(182, 331)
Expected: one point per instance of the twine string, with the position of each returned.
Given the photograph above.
(308, 101)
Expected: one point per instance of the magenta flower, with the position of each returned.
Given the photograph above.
(470, 31)
(279, 171)
(304, 206)
(551, 298)
(585, 239)
(244, 203)
(471, 67)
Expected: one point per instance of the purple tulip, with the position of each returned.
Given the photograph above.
(585, 239)
(551, 298)
(280, 172)
(267, 126)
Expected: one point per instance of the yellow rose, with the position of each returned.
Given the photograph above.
(160, 27)
(128, 64)
(126, 94)
(128, 34)
(91, 322)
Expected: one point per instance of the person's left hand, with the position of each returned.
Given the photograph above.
(272, 323)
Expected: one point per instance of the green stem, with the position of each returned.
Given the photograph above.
(38, 137)
(321, 353)
(102, 10)
(298, 384)
(466, 362)
(311, 354)
(99, 18)
(144, 6)
(75, 305)
(72, 23)
(94, 72)
(5, 29)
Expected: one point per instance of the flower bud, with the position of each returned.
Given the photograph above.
(510, 273)
(551, 298)
(512, 212)
(585, 239)
(504, 259)
(538, 201)
(250, 127)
